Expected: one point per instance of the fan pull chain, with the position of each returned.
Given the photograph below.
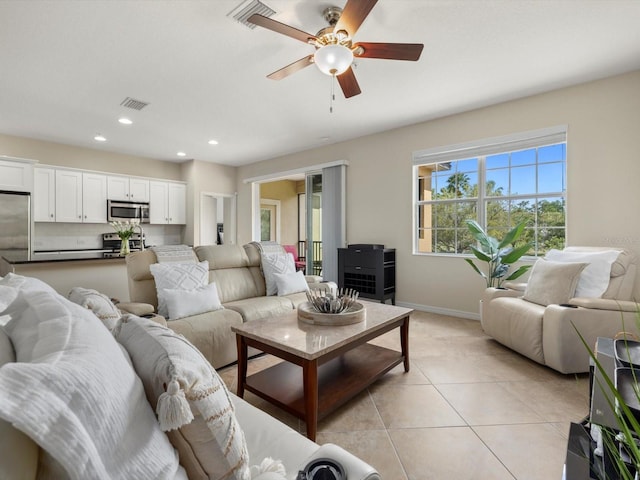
(333, 94)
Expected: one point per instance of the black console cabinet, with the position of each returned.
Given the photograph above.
(368, 269)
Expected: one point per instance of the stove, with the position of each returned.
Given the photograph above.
(111, 241)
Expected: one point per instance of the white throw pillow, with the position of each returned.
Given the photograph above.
(196, 408)
(7, 296)
(101, 305)
(288, 283)
(183, 303)
(595, 278)
(552, 283)
(181, 276)
(74, 392)
(275, 263)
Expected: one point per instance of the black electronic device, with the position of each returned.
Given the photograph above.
(322, 469)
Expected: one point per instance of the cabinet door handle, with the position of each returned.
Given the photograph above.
(358, 268)
(80, 217)
(51, 215)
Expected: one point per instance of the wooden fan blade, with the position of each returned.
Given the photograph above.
(349, 84)
(279, 27)
(390, 51)
(353, 14)
(291, 68)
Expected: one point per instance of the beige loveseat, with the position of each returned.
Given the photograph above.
(73, 404)
(237, 272)
(547, 333)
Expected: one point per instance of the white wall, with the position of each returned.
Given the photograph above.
(603, 163)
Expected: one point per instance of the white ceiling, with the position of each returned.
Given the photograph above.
(65, 67)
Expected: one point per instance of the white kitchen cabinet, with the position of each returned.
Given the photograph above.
(177, 203)
(94, 198)
(167, 203)
(80, 197)
(128, 189)
(16, 174)
(44, 195)
(69, 196)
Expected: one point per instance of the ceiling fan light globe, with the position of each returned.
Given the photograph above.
(333, 59)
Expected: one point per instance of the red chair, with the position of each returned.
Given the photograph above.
(300, 265)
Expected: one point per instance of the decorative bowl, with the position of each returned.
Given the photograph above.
(355, 314)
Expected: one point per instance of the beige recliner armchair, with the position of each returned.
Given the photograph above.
(547, 333)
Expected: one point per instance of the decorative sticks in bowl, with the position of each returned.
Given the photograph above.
(325, 301)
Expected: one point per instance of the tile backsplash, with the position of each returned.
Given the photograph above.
(83, 236)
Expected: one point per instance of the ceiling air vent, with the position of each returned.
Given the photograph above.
(133, 103)
(248, 8)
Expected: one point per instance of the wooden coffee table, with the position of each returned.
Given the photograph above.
(324, 366)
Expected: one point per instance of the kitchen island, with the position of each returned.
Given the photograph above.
(66, 269)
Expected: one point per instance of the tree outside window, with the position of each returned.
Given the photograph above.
(498, 191)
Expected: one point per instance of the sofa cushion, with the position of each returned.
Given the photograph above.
(276, 263)
(18, 453)
(182, 276)
(552, 282)
(261, 307)
(74, 392)
(184, 303)
(595, 278)
(101, 305)
(188, 395)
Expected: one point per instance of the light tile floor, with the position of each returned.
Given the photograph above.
(468, 409)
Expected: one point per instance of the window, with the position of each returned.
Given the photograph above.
(499, 183)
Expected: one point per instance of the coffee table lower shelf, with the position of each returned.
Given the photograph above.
(339, 379)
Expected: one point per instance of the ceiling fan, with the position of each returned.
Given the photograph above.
(335, 50)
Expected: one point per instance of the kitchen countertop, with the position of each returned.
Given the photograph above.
(19, 258)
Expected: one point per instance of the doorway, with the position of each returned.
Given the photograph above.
(270, 220)
(217, 218)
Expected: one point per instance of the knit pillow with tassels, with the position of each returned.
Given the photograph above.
(191, 400)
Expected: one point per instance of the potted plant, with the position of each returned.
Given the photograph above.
(498, 255)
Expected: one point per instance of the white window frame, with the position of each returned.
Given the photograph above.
(481, 149)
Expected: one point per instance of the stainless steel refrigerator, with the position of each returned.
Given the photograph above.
(15, 226)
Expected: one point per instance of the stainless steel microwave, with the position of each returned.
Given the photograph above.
(118, 210)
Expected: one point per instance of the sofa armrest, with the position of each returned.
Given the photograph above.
(269, 476)
(313, 278)
(354, 468)
(330, 286)
(605, 304)
(136, 308)
(518, 286)
(491, 293)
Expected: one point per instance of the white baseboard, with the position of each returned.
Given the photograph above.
(441, 311)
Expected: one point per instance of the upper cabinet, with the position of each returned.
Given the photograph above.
(76, 196)
(127, 188)
(44, 194)
(167, 203)
(94, 198)
(69, 196)
(16, 174)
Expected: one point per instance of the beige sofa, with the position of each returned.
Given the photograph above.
(28, 445)
(242, 290)
(547, 333)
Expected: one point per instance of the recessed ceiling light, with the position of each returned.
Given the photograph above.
(125, 121)
(99, 138)
(181, 154)
(213, 142)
